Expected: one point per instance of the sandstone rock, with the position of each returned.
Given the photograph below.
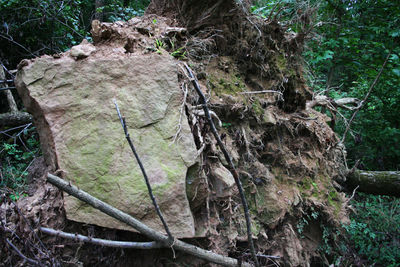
(268, 117)
(83, 50)
(73, 109)
(223, 181)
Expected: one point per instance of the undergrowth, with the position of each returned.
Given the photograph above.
(18, 148)
(372, 238)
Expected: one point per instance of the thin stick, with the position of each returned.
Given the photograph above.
(228, 159)
(139, 226)
(22, 255)
(366, 96)
(153, 199)
(7, 88)
(352, 195)
(260, 92)
(18, 44)
(100, 241)
(185, 91)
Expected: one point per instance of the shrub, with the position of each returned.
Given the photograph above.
(16, 155)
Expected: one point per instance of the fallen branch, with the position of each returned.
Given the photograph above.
(7, 88)
(153, 199)
(261, 92)
(101, 242)
(228, 159)
(139, 226)
(376, 182)
(15, 118)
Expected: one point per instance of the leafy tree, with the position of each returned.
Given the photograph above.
(35, 27)
(353, 41)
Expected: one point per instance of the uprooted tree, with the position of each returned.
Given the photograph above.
(287, 158)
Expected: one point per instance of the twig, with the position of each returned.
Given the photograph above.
(139, 226)
(100, 241)
(18, 44)
(352, 195)
(264, 256)
(153, 199)
(18, 127)
(185, 92)
(22, 255)
(260, 92)
(366, 96)
(353, 169)
(228, 159)
(7, 88)
(272, 11)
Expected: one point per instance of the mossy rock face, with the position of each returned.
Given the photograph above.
(72, 103)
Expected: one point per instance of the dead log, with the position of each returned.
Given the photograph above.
(15, 118)
(376, 182)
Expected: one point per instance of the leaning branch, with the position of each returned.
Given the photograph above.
(362, 103)
(228, 159)
(139, 226)
(153, 199)
(101, 242)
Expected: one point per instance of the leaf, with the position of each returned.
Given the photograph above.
(395, 33)
(396, 71)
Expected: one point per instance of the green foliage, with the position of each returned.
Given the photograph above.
(310, 215)
(159, 45)
(179, 53)
(374, 230)
(345, 56)
(16, 156)
(115, 10)
(348, 43)
(35, 27)
(372, 238)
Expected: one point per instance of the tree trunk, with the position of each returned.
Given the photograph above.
(376, 182)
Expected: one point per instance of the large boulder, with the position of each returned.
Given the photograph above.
(72, 101)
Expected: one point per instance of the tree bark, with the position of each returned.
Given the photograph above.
(15, 118)
(376, 182)
(101, 242)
